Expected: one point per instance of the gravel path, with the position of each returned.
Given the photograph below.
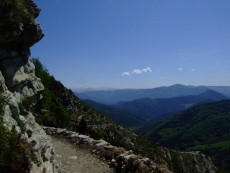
(78, 160)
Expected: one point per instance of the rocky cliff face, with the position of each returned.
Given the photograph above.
(19, 87)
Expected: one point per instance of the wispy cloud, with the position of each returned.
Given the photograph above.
(137, 71)
(180, 69)
(192, 69)
(125, 73)
(146, 70)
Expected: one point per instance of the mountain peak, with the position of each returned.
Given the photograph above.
(212, 95)
(177, 85)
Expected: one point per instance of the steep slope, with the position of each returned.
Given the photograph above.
(205, 128)
(225, 90)
(122, 116)
(84, 119)
(211, 95)
(112, 97)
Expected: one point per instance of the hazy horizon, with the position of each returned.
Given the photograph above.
(135, 44)
(85, 89)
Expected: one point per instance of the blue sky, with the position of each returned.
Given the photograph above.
(135, 43)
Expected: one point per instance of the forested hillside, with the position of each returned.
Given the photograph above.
(141, 112)
(205, 128)
(126, 118)
(151, 109)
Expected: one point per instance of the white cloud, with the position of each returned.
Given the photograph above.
(180, 69)
(192, 69)
(125, 73)
(148, 69)
(137, 71)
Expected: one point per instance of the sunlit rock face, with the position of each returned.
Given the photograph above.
(19, 87)
(19, 76)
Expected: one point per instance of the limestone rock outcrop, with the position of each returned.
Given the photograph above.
(19, 87)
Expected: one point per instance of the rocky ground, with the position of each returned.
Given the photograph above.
(75, 159)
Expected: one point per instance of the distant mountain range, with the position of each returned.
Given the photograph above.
(137, 112)
(115, 96)
(205, 128)
(149, 108)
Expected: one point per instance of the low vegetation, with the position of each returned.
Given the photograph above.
(14, 151)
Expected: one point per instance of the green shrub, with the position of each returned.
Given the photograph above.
(13, 152)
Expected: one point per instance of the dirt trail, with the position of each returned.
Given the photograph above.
(78, 160)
